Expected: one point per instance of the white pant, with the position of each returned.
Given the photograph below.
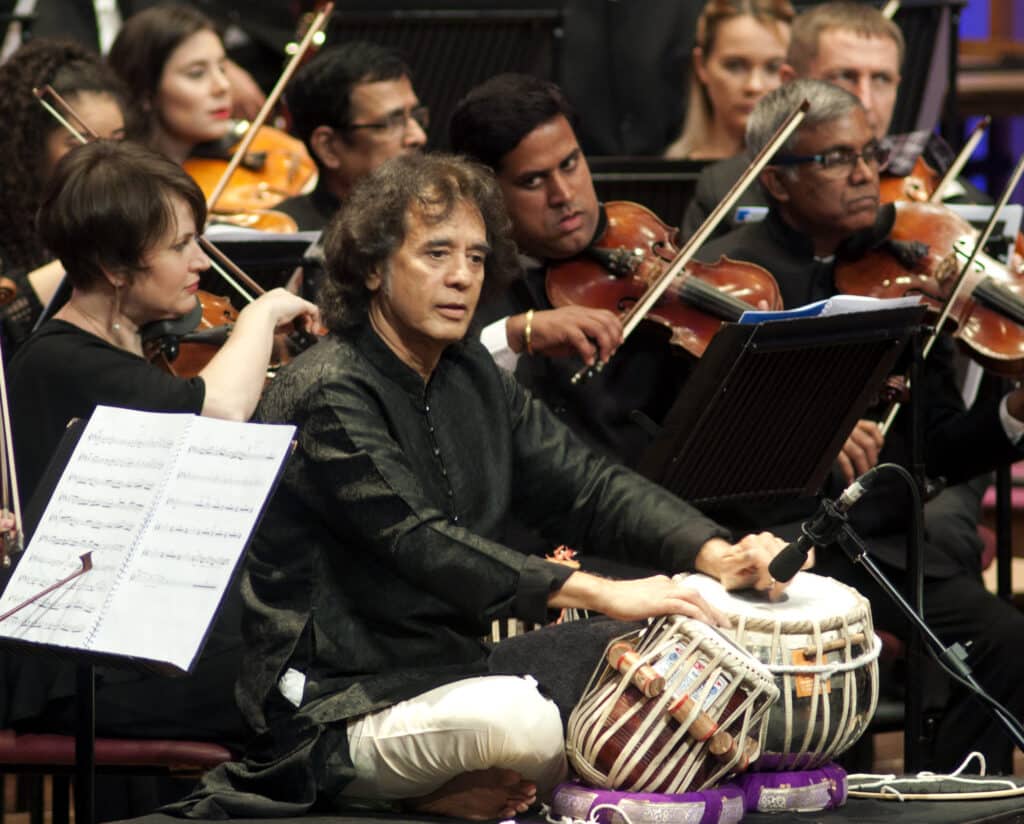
(412, 748)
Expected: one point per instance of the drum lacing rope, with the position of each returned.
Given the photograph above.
(832, 738)
(829, 669)
(565, 819)
(588, 732)
(868, 785)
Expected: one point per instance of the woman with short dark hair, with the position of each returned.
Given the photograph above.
(123, 221)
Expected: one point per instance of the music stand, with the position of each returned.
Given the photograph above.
(769, 406)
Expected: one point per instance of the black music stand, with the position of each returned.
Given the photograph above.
(805, 382)
(767, 410)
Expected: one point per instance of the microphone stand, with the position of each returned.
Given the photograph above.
(952, 658)
(914, 736)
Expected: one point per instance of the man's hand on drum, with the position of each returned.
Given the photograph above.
(744, 565)
(635, 600)
(860, 452)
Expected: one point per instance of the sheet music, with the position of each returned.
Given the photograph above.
(166, 503)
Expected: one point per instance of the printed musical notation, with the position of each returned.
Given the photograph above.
(167, 504)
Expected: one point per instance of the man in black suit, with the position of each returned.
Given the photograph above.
(823, 187)
(354, 107)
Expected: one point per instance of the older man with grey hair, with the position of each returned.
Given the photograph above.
(822, 187)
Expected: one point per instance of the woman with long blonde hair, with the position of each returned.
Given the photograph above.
(739, 53)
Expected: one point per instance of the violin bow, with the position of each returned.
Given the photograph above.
(219, 262)
(268, 104)
(678, 265)
(961, 278)
(957, 166)
(9, 542)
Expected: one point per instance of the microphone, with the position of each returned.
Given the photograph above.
(821, 529)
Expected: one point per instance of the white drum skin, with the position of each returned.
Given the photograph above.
(819, 642)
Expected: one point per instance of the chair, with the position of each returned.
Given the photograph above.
(45, 754)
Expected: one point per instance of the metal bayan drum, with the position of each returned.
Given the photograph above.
(673, 708)
(820, 644)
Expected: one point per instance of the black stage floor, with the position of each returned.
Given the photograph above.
(861, 811)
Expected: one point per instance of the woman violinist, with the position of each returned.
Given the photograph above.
(738, 57)
(31, 144)
(174, 63)
(123, 221)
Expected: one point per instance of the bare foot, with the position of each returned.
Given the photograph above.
(479, 796)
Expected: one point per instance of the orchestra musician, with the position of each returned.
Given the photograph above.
(738, 57)
(823, 187)
(354, 106)
(522, 128)
(123, 222)
(32, 142)
(858, 48)
(174, 64)
(380, 563)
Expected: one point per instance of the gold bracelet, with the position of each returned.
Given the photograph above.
(528, 332)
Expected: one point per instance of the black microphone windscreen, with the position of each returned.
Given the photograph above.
(788, 562)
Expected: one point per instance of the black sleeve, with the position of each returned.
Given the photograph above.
(586, 501)
(372, 495)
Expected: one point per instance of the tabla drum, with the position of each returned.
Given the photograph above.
(673, 708)
(820, 644)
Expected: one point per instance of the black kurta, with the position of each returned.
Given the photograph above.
(379, 565)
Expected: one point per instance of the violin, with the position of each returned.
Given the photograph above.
(987, 314)
(184, 346)
(918, 186)
(632, 253)
(272, 140)
(274, 167)
(665, 275)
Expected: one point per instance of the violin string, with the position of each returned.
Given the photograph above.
(999, 298)
(713, 300)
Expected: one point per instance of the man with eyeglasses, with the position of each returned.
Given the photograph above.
(823, 191)
(859, 49)
(354, 107)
